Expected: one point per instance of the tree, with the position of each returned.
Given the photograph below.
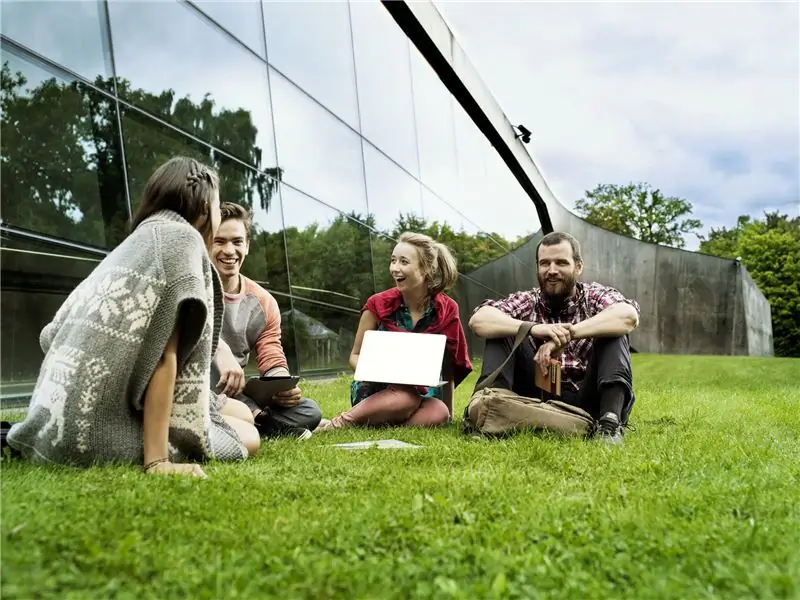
(770, 251)
(637, 210)
(62, 159)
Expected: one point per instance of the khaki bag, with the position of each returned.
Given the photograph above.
(497, 411)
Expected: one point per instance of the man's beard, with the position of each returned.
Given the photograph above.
(558, 291)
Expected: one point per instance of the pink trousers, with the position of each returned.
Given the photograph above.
(395, 405)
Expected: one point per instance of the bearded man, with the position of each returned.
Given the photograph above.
(583, 325)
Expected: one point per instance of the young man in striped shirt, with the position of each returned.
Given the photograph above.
(252, 323)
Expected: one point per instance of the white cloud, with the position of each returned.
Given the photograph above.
(615, 92)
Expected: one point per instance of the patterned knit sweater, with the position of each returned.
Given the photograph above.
(105, 342)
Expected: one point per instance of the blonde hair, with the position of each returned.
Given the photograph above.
(438, 263)
(183, 185)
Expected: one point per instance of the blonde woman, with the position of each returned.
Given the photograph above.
(422, 270)
(126, 371)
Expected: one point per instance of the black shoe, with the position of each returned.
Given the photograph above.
(609, 429)
(268, 427)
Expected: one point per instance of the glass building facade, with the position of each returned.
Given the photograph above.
(323, 118)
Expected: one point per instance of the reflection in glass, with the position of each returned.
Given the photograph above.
(37, 277)
(61, 168)
(72, 34)
(435, 130)
(382, 247)
(316, 152)
(390, 190)
(474, 199)
(149, 144)
(383, 68)
(329, 253)
(25, 313)
(266, 261)
(194, 76)
(242, 18)
(510, 200)
(323, 335)
(471, 247)
(310, 43)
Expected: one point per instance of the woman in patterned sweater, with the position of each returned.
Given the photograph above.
(422, 269)
(125, 377)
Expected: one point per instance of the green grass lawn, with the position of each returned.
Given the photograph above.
(702, 501)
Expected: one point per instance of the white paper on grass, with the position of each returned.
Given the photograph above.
(401, 357)
(381, 444)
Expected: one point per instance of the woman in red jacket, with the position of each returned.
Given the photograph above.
(422, 269)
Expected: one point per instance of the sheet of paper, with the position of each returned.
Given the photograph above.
(381, 444)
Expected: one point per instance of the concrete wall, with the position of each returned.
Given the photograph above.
(691, 303)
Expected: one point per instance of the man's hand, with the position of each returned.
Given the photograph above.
(288, 398)
(545, 352)
(231, 380)
(558, 333)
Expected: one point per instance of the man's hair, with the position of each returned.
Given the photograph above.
(556, 237)
(231, 210)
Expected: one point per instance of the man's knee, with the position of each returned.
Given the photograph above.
(310, 412)
(306, 414)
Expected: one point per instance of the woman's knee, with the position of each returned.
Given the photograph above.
(401, 398)
(247, 433)
(433, 413)
(238, 410)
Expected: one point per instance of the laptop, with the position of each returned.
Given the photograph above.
(401, 357)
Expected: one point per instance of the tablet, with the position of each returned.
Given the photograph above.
(261, 389)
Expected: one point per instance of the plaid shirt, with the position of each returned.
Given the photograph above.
(590, 299)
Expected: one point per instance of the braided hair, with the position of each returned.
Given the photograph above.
(183, 185)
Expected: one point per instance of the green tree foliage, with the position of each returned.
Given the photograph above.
(62, 166)
(637, 210)
(770, 250)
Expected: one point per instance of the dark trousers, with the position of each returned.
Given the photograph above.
(610, 363)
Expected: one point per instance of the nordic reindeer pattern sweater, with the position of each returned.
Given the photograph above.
(105, 341)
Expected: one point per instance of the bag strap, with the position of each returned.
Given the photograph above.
(522, 332)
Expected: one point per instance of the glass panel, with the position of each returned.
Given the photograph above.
(317, 153)
(513, 218)
(329, 254)
(266, 263)
(61, 169)
(390, 190)
(382, 247)
(310, 43)
(241, 17)
(72, 34)
(149, 143)
(471, 247)
(323, 336)
(194, 76)
(383, 69)
(36, 277)
(435, 130)
(473, 198)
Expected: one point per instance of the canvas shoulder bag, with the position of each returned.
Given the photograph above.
(498, 411)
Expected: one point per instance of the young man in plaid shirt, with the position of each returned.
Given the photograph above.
(585, 325)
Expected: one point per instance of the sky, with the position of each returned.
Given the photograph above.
(701, 100)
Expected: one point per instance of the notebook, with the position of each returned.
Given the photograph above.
(401, 357)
